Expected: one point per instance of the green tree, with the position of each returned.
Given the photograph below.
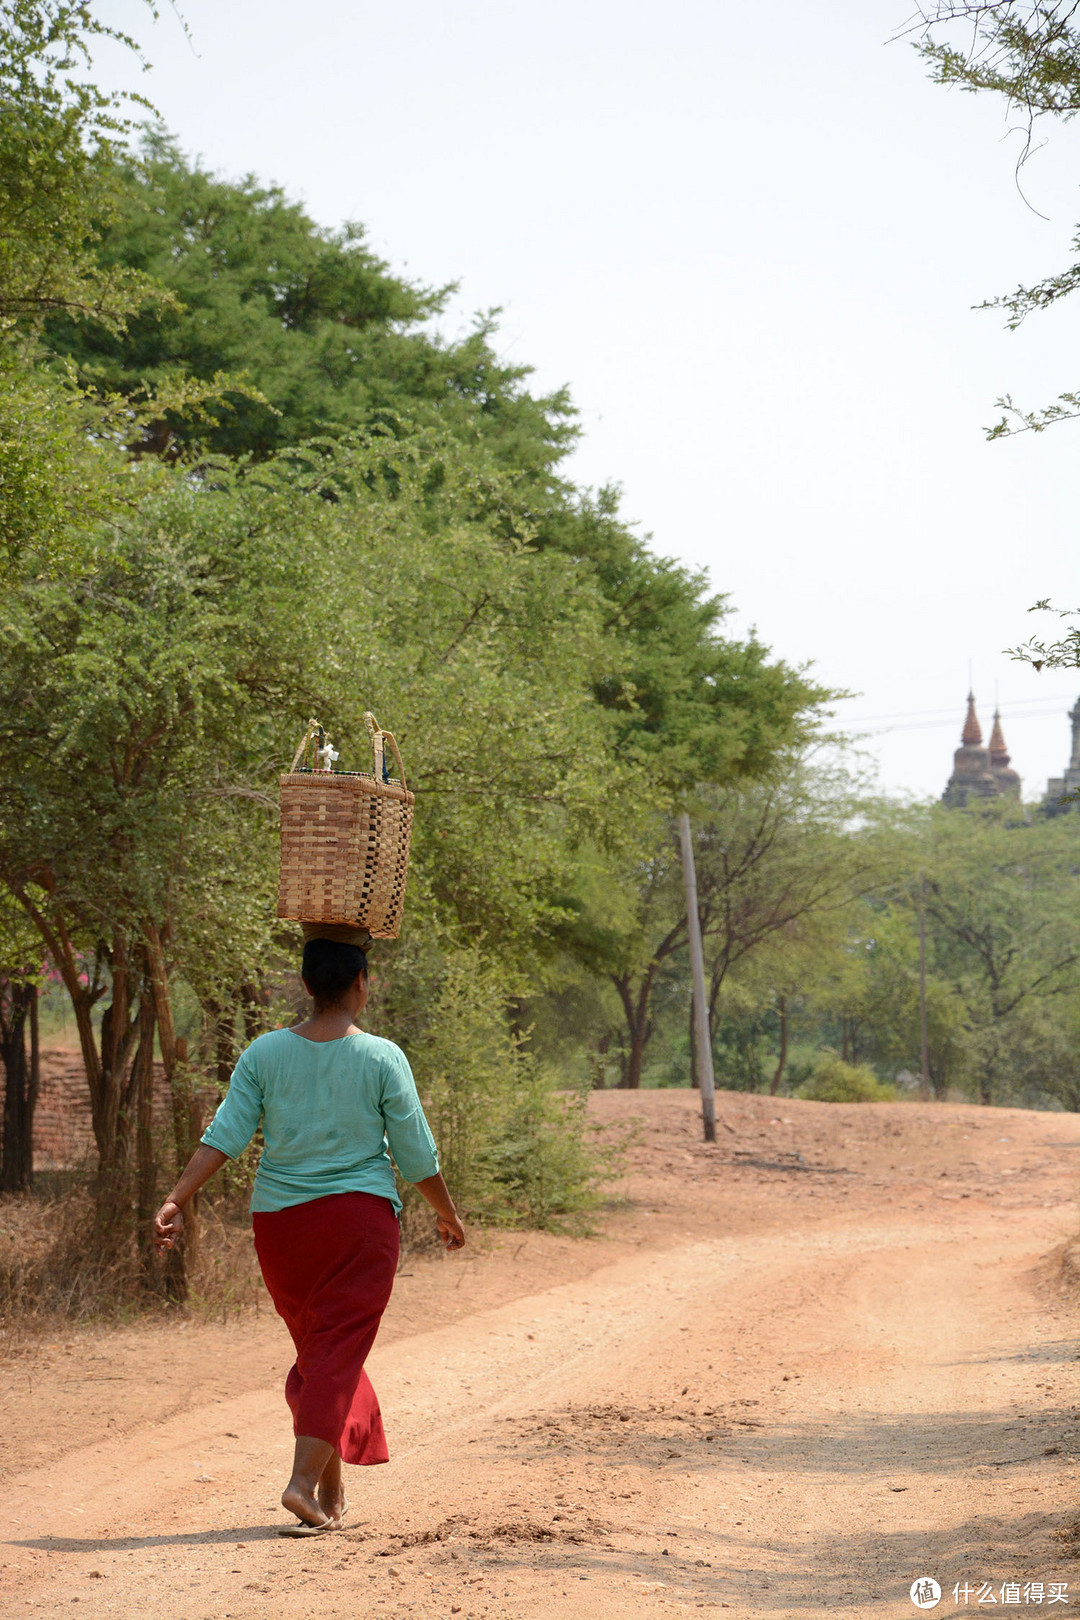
(767, 994)
(372, 518)
(1002, 985)
(773, 860)
(872, 992)
(1028, 52)
(777, 861)
(63, 475)
(61, 138)
(1001, 904)
(326, 337)
(329, 340)
(1024, 50)
(155, 694)
(691, 704)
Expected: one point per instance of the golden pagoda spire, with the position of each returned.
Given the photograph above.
(998, 751)
(1007, 779)
(972, 732)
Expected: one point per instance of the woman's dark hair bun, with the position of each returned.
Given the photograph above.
(328, 968)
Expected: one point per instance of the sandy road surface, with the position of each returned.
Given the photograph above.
(801, 1369)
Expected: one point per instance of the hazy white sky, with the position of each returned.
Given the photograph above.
(750, 239)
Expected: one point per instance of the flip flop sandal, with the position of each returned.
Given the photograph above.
(303, 1529)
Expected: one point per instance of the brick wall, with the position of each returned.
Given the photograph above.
(63, 1134)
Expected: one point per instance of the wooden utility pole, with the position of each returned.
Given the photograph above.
(923, 1041)
(703, 1043)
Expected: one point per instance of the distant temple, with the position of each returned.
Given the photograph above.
(984, 773)
(1058, 786)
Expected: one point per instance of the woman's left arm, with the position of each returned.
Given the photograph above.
(169, 1220)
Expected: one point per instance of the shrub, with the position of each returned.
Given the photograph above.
(541, 1169)
(835, 1081)
(514, 1149)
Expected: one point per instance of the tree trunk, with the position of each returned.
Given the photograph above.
(635, 1060)
(119, 1029)
(33, 1089)
(254, 1000)
(225, 1046)
(107, 1061)
(638, 1023)
(145, 1155)
(114, 1113)
(781, 1062)
(187, 1128)
(986, 1085)
(20, 1089)
(515, 1017)
(716, 984)
(186, 1114)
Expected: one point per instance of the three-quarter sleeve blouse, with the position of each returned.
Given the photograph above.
(332, 1113)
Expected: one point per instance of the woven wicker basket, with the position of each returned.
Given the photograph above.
(345, 839)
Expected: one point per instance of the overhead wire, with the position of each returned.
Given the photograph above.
(930, 719)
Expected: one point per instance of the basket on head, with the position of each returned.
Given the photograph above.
(345, 837)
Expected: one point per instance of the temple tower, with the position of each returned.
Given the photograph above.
(1058, 786)
(973, 776)
(1008, 781)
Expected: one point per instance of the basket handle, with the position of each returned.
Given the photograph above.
(314, 729)
(379, 738)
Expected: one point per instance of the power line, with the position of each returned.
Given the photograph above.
(941, 725)
(951, 712)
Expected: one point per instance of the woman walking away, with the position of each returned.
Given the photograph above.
(333, 1104)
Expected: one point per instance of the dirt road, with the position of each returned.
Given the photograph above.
(797, 1372)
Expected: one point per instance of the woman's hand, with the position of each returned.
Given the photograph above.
(447, 1219)
(168, 1224)
(451, 1231)
(169, 1220)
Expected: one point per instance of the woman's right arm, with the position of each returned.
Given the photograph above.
(413, 1146)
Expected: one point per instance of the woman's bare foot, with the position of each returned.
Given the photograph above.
(331, 1493)
(304, 1505)
(311, 1459)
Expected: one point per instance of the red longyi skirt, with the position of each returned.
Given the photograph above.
(329, 1265)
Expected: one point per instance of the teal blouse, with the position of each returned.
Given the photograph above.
(332, 1113)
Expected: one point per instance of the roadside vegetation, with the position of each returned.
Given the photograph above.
(245, 477)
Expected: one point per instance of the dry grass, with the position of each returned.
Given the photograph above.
(226, 1280)
(49, 1269)
(55, 1269)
